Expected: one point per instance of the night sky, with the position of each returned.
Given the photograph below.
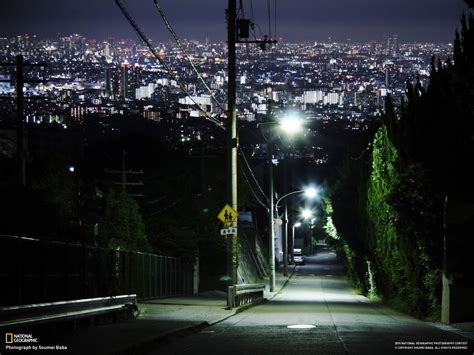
(297, 20)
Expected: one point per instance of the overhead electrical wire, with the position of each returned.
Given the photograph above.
(183, 50)
(241, 11)
(269, 19)
(251, 188)
(145, 39)
(252, 173)
(275, 21)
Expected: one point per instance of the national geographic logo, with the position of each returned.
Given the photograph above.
(27, 343)
(11, 338)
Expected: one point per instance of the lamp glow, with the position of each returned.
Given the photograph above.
(291, 124)
(311, 192)
(307, 213)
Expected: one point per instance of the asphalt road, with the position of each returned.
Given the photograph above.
(338, 321)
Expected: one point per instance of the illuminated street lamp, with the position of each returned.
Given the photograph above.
(307, 213)
(311, 193)
(291, 123)
(296, 225)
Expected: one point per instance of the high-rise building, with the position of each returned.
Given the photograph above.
(106, 50)
(112, 82)
(124, 80)
(313, 97)
(395, 46)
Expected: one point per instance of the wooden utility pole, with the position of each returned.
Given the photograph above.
(123, 176)
(232, 130)
(237, 32)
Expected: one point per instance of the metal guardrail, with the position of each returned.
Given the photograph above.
(23, 315)
(239, 295)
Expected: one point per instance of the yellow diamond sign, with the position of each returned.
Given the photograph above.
(228, 215)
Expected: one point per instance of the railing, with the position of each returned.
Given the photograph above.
(16, 316)
(239, 295)
(38, 271)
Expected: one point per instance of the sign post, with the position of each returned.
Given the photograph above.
(228, 216)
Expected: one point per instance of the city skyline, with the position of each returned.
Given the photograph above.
(362, 21)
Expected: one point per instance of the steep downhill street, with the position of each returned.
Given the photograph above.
(318, 313)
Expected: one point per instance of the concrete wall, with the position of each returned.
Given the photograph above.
(457, 302)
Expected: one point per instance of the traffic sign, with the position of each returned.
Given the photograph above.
(228, 215)
(227, 231)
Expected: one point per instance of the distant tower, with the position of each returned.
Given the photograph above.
(106, 51)
(388, 46)
(373, 47)
(395, 45)
(112, 82)
(137, 76)
(388, 66)
(124, 80)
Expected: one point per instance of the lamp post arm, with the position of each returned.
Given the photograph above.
(288, 194)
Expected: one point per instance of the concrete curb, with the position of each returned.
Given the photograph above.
(168, 337)
(284, 284)
(164, 338)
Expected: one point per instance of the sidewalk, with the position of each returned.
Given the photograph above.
(160, 321)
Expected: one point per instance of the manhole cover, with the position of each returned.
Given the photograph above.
(301, 326)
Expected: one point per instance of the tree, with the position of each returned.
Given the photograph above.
(420, 158)
(122, 225)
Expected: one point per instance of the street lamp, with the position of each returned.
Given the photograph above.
(296, 225)
(290, 124)
(310, 192)
(306, 213)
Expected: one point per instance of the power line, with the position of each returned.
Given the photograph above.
(180, 45)
(145, 39)
(253, 20)
(269, 19)
(251, 188)
(275, 20)
(251, 172)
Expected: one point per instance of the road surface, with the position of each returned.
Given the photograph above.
(318, 313)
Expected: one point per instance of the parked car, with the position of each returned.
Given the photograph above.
(299, 259)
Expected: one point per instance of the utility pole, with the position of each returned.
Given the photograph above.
(237, 32)
(22, 147)
(232, 127)
(124, 176)
(271, 231)
(285, 217)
